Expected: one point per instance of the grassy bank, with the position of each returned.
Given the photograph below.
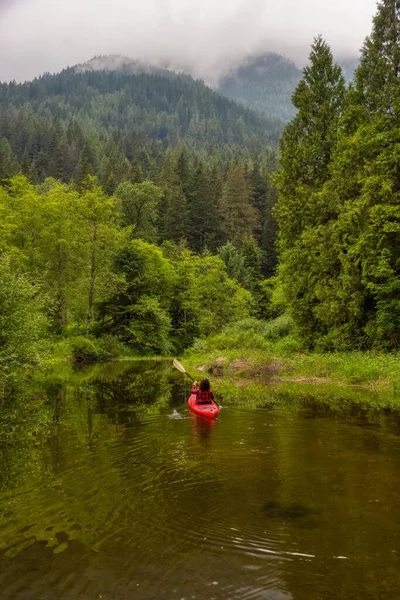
(269, 352)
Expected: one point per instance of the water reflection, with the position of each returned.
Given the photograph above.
(110, 487)
(202, 428)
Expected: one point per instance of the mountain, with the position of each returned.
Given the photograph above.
(124, 64)
(264, 83)
(170, 108)
(88, 121)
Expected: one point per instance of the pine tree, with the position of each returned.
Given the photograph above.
(85, 167)
(184, 174)
(136, 173)
(307, 146)
(308, 142)
(377, 78)
(204, 217)
(269, 229)
(238, 215)
(8, 160)
(341, 272)
(175, 222)
(173, 213)
(365, 186)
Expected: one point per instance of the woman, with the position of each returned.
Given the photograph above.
(204, 395)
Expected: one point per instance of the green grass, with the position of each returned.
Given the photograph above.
(271, 349)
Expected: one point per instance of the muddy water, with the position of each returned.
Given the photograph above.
(110, 489)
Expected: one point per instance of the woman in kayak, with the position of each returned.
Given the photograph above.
(204, 395)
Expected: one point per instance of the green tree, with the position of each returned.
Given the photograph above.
(8, 160)
(204, 217)
(99, 241)
(138, 310)
(307, 144)
(21, 319)
(173, 223)
(207, 299)
(59, 260)
(363, 279)
(239, 217)
(139, 204)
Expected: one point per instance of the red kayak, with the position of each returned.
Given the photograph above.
(205, 410)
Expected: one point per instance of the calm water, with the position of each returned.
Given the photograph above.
(110, 489)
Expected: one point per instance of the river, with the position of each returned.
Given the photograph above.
(110, 489)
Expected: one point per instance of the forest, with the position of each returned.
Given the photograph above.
(143, 213)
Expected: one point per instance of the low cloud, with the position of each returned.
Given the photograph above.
(200, 36)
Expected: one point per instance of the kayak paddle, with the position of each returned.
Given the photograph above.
(182, 369)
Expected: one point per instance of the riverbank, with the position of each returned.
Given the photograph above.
(375, 372)
(271, 353)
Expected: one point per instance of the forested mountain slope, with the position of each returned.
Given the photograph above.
(156, 106)
(264, 83)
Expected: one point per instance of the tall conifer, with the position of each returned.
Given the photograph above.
(366, 191)
(308, 141)
(240, 218)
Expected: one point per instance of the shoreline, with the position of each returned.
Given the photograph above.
(356, 370)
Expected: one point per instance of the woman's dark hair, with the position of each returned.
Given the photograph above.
(204, 385)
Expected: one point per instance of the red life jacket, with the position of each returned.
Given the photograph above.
(203, 397)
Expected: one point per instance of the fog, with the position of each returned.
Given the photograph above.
(200, 36)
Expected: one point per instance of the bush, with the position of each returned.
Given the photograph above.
(253, 334)
(84, 350)
(110, 347)
(149, 327)
(269, 330)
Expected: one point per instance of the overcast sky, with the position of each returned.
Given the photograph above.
(201, 35)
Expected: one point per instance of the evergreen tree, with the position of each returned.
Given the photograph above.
(238, 215)
(136, 172)
(8, 161)
(85, 167)
(306, 149)
(363, 281)
(204, 215)
(173, 224)
(269, 233)
(307, 143)
(175, 227)
(184, 175)
(377, 77)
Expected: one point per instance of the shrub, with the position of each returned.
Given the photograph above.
(111, 347)
(84, 350)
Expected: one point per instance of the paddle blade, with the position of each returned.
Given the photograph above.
(178, 366)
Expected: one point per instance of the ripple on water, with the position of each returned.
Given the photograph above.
(253, 506)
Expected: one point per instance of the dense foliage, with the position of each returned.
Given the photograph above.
(94, 262)
(338, 210)
(98, 169)
(117, 125)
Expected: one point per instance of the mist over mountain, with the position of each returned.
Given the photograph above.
(264, 83)
(123, 64)
(203, 37)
